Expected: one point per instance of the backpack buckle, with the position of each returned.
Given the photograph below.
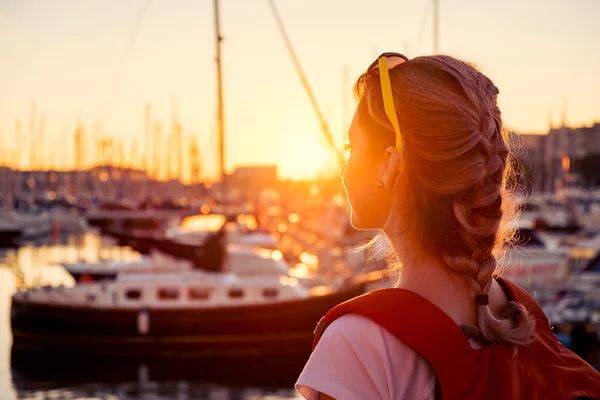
(320, 328)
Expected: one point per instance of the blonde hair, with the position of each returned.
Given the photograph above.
(453, 194)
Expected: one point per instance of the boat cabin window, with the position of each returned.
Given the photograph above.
(198, 293)
(133, 294)
(270, 292)
(236, 293)
(167, 293)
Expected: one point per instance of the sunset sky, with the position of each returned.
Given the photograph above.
(71, 57)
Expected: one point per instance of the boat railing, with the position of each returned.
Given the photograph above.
(165, 294)
(48, 294)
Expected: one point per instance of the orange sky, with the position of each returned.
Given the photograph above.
(81, 61)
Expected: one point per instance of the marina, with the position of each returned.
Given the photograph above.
(177, 228)
(81, 305)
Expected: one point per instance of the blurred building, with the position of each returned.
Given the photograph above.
(249, 180)
(562, 156)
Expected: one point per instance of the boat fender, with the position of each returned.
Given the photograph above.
(143, 322)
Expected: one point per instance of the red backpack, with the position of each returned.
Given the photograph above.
(544, 369)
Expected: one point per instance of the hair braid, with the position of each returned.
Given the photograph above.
(479, 214)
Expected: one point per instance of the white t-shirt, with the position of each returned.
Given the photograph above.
(358, 359)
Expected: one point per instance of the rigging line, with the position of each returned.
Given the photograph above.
(116, 77)
(213, 139)
(309, 92)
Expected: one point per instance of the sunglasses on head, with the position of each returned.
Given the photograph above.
(383, 64)
(392, 60)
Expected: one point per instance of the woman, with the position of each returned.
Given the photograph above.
(429, 165)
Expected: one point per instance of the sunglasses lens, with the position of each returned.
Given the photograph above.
(395, 61)
(392, 59)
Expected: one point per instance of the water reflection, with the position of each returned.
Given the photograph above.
(30, 377)
(153, 391)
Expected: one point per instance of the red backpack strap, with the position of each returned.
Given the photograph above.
(423, 327)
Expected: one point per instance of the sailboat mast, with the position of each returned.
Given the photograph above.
(32, 119)
(21, 166)
(220, 118)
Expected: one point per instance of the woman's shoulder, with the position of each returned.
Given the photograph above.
(372, 342)
(368, 360)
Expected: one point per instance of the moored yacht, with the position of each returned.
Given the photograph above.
(180, 314)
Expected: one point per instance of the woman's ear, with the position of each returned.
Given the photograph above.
(390, 171)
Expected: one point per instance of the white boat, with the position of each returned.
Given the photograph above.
(167, 288)
(533, 263)
(69, 221)
(32, 225)
(572, 308)
(189, 314)
(548, 215)
(242, 261)
(588, 280)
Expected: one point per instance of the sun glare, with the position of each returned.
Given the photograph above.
(305, 160)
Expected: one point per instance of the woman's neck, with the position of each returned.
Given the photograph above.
(427, 276)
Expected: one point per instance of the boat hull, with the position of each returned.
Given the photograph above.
(275, 329)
